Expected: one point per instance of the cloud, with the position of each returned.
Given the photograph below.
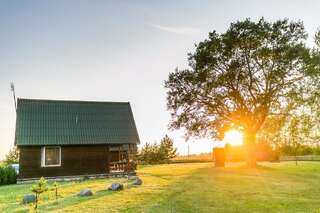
(177, 30)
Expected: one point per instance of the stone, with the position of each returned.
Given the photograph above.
(29, 199)
(137, 182)
(133, 177)
(116, 187)
(85, 192)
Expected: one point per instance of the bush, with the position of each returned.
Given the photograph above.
(157, 153)
(8, 175)
(39, 188)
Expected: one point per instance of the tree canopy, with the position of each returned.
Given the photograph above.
(239, 78)
(12, 156)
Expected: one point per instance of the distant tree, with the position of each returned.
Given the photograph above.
(241, 77)
(294, 135)
(149, 154)
(157, 153)
(166, 149)
(298, 139)
(12, 156)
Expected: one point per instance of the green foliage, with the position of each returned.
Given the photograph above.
(298, 150)
(39, 188)
(12, 156)
(157, 153)
(317, 38)
(8, 175)
(166, 150)
(295, 134)
(149, 154)
(241, 77)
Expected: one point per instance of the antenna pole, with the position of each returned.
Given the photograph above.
(14, 95)
(188, 151)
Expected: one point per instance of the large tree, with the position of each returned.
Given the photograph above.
(238, 78)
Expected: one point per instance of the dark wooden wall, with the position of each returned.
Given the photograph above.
(75, 160)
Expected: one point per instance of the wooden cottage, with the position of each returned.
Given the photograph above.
(73, 138)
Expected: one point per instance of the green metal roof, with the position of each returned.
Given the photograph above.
(56, 122)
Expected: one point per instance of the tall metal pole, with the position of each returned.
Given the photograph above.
(14, 95)
(188, 151)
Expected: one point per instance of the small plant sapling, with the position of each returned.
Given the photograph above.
(39, 188)
(55, 185)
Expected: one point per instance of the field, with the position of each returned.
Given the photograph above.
(193, 187)
(199, 158)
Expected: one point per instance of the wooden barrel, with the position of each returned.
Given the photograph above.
(219, 156)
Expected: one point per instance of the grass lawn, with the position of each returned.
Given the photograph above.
(198, 187)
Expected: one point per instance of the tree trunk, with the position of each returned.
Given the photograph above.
(36, 204)
(250, 143)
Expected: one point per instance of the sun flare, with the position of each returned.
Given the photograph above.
(233, 137)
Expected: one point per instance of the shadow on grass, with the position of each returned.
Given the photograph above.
(204, 188)
(163, 199)
(149, 199)
(243, 165)
(160, 176)
(72, 199)
(75, 199)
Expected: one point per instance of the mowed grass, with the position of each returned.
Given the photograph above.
(197, 187)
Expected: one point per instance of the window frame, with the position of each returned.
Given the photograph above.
(43, 156)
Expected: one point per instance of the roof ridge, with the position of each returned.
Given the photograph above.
(73, 101)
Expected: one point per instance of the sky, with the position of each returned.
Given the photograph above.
(117, 51)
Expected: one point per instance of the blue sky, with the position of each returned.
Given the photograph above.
(116, 51)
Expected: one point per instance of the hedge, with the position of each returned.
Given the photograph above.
(8, 175)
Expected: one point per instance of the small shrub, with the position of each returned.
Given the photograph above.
(38, 189)
(8, 175)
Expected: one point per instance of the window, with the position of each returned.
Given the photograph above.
(51, 156)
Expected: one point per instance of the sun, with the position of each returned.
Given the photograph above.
(233, 137)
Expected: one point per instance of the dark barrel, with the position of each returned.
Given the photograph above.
(219, 157)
